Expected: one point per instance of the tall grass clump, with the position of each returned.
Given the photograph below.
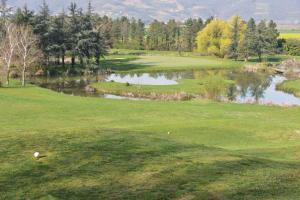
(215, 87)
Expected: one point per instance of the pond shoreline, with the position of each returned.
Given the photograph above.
(290, 86)
(236, 86)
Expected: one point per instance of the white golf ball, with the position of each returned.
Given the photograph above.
(36, 154)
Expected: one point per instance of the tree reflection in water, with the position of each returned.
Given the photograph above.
(251, 84)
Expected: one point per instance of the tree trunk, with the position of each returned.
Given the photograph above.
(81, 62)
(98, 60)
(63, 60)
(47, 60)
(259, 57)
(73, 62)
(24, 77)
(8, 73)
(7, 76)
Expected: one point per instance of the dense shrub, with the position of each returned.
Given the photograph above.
(292, 47)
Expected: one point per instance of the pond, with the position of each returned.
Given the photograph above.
(246, 87)
(267, 94)
(142, 79)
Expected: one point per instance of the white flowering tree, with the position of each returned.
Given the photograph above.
(28, 53)
(8, 48)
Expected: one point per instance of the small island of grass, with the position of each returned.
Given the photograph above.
(291, 86)
(211, 87)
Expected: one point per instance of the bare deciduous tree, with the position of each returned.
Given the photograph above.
(5, 10)
(8, 47)
(28, 52)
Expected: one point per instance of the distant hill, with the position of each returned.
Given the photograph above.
(284, 12)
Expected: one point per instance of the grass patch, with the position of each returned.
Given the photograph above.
(111, 149)
(14, 83)
(155, 61)
(291, 86)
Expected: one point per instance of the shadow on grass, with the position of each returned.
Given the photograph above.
(124, 64)
(112, 164)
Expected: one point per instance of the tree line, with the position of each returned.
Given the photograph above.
(239, 39)
(84, 37)
(81, 37)
(75, 24)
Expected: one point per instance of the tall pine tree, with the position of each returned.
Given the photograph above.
(24, 16)
(74, 29)
(189, 33)
(261, 46)
(58, 37)
(249, 44)
(237, 31)
(272, 35)
(41, 29)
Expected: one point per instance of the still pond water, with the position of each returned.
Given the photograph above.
(249, 87)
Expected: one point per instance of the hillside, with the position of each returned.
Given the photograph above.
(287, 13)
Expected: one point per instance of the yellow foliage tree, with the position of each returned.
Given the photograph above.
(214, 39)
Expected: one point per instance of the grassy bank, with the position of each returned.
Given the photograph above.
(108, 149)
(291, 86)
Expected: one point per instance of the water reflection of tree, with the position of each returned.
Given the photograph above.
(172, 75)
(155, 75)
(215, 85)
(253, 84)
(232, 92)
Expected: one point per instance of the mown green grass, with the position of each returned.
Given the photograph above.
(291, 86)
(153, 61)
(109, 149)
